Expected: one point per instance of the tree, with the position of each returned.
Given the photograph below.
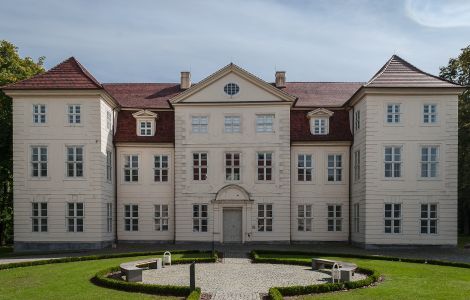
(13, 68)
(458, 70)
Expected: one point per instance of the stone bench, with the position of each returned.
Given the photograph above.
(133, 270)
(347, 270)
(320, 263)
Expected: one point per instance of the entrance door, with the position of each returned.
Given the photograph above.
(232, 225)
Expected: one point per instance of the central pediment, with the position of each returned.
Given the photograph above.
(232, 192)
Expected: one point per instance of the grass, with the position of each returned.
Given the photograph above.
(69, 280)
(402, 280)
(463, 240)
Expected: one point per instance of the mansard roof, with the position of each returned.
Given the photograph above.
(126, 128)
(300, 127)
(69, 74)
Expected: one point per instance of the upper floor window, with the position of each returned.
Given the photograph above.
(232, 124)
(304, 167)
(200, 218)
(161, 217)
(109, 166)
(392, 218)
(75, 161)
(199, 166)
(393, 113)
(200, 124)
(109, 118)
(304, 217)
(319, 120)
(145, 122)
(131, 168)
(39, 113)
(265, 166)
(392, 162)
(74, 114)
(39, 161)
(109, 217)
(264, 123)
(357, 120)
(429, 161)
(232, 166)
(320, 126)
(75, 217)
(131, 217)
(39, 217)
(160, 170)
(265, 217)
(145, 128)
(335, 218)
(357, 165)
(428, 218)
(335, 167)
(429, 113)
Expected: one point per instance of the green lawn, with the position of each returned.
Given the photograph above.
(402, 281)
(68, 281)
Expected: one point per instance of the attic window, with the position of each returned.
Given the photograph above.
(319, 121)
(231, 89)
(145, 122)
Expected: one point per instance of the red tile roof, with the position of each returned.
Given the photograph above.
(69, 74)
(397, 72)
(300, 127)
(322, 94)
(142, 95)
(126, 128)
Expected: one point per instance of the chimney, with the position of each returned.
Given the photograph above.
(185, 80)
(280, 79)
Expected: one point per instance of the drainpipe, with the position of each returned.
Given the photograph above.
(350, 178)
(115, 183)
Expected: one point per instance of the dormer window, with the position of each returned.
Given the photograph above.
(145, 122)
(320, 121)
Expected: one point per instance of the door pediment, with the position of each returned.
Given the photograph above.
(232, 192)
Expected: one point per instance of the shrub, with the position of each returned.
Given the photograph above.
(274, 294)
(195, 295)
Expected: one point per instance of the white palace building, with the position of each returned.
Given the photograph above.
(234, 159)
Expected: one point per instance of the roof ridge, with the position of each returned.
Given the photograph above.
(381, 71)
(85, 71)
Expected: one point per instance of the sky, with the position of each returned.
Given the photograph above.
(153, 41)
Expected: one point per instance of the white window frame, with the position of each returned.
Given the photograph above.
(335, 169)
(321, 125)
(131, 170)
(395, 165)
(265, 123)
(430, 117)
(131, 217)
(392, 221)
(109, 166)
(39, 221)
(357, 120)
(39, 164)
(357, 165)
(161, 170)
(304, 169)
(426, 165)
(427, 218)
(200, 218)
(146, 127)
(39, 114)
(335, 217)
(75, 161)
(304, 217)
(199, 124)
(265, 217)
(231, 168)
(161, 217)
(200, 171)
(356, 217)
(74, 114)
(75, 222)
(395, 115)
(109, 122)
(109, 217)
(266, 157)
(232, 124)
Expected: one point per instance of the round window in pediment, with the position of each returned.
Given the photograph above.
(231, 89)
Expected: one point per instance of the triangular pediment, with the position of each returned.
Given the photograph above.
(144, 114)
(320, 112)
(249, 88)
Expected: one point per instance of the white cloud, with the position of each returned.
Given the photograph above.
(439, 13)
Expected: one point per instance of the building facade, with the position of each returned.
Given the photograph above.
(234, 159)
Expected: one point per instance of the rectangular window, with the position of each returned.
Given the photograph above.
(264, 123)
(75, 161)
(39, 217)
(320, 126)
(232, 166)
(200, 217)
(200, 124)
(429, 113)
(109, 122)
(199, 166)
(109, 166)
(39, 161)
(429, 218)
(356, 218)
(160, 170)
(357, 120)
(357, 165)
(392, 218)
(145, 128)
(74, 114)
(109, 217)
(304, 217)
(334, 218)
(429, 161)
(131, 217)
(265, 166)
(393, 113)
(304, 167)
(265, 217)
(392, 162)
(161, 217)
(39, 113)
(131, 168)
(232, 124)
(75, 217)
(335, 167)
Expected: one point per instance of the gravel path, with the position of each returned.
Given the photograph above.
(238, 278)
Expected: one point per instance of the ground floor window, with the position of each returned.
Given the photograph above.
(356, 217)
(39, 217)
(75, 217)
(200, 217)
(304, 217)
(161, 217)
(265, 217)
(392, 218)
(334, 218)
(131, 217)
(429, 218)
(109, 217)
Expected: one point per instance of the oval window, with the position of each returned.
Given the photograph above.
(231, 89)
